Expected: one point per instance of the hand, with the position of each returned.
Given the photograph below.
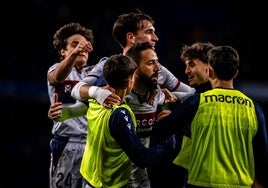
(151, 95)
(111, 99)
(83, 46)
(170, 97)
(162, 114)
(55, 110)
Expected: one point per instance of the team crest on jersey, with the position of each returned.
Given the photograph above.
(67, 88)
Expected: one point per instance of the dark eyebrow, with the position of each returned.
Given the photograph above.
(74, 43)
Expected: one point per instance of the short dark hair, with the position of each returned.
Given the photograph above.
(134, 51)
(118, 69)
(129, 22)
(225, 61)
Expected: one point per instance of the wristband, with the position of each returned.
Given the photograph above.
(98, 93)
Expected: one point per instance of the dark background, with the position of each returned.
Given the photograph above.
(26, 53)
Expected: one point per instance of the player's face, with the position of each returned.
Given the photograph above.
(75, 42)
(147, 71)
(196, 71)
(146, 33)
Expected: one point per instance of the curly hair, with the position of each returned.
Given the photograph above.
(63, 33)
(197, 50)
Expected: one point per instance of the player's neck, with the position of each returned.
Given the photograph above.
(222, 84)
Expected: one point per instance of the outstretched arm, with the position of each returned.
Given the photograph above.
(58, 112)
(173, 84)
(90, 87)
(122, 129)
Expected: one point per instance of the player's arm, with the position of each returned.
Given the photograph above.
(65, 66)
(59, 112)
(183, 91)
(103, 95)
(260, 149)
(178, 120)
(122, 129)
(88, 87)
(173, 84)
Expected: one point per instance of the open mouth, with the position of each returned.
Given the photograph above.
(154, 78)
(190, 78)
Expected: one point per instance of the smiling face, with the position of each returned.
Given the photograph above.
(196, 71)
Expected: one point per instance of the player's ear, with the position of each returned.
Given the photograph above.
(211, 73)
(130, 37)
(129, 83)
(63, 52)
(236, 74)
